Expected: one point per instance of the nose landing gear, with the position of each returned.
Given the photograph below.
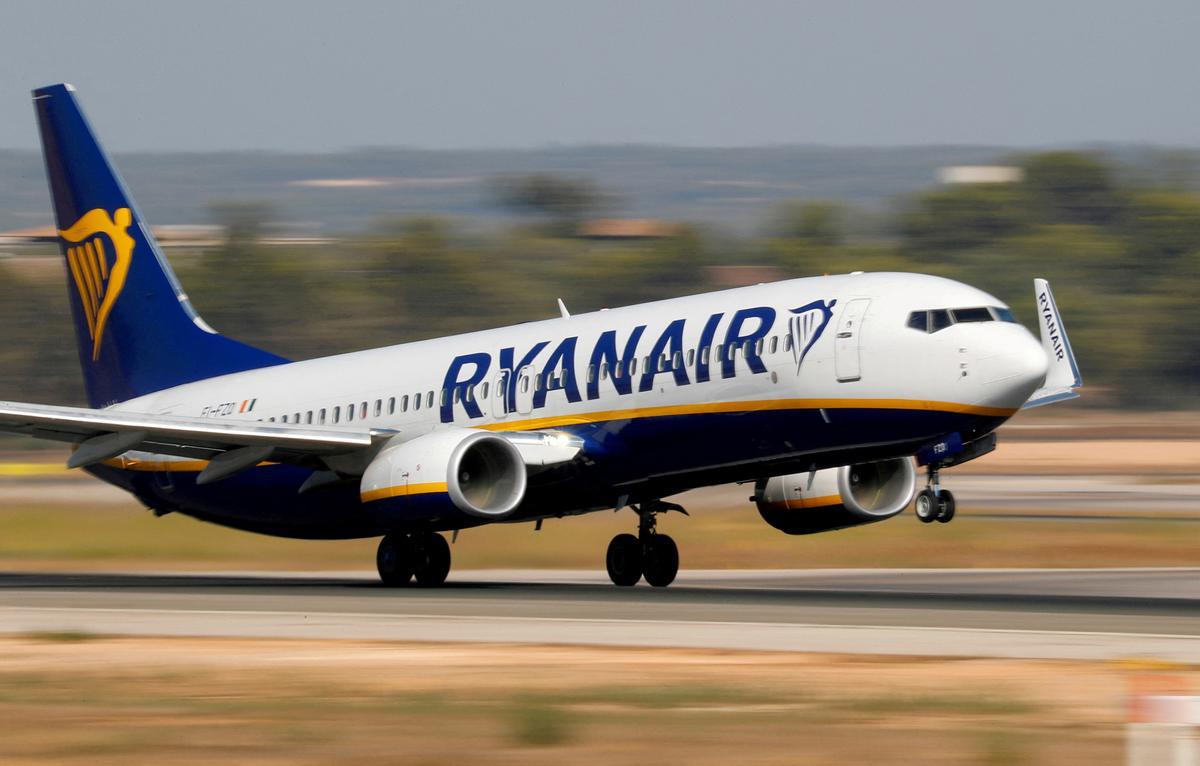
(650, 555)
(934, 503)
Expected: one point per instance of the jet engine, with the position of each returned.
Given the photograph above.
(443, 474)
(836, 498)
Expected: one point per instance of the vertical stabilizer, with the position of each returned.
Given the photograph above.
(136, 331)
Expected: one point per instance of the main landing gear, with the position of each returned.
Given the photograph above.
(423, 556)
(650, 554)
(934, 503)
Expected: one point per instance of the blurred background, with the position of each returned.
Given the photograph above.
(326, 178)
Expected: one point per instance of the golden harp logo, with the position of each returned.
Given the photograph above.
(99, 251)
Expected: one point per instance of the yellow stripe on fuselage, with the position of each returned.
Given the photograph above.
(805, 502)
(402, 491)
(180, 466)
(764, 405)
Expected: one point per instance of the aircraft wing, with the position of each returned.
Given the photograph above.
(231, 445)
(1062, 375)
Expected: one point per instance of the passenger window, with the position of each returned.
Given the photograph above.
(308, 417)
(349, 412)
(283, 419)
(428, 400)
(446, 397)
(691, 357)
(337, 414)
(787, 343)
(758, 347)
(704, 355)
(296, 419)
(362, 410)
(774, 343)
(939, 319)
(378, 407)
(972, 315)
(404, 403)
(321, 417)
(677, 360)
(271, 419)
(919, 320)
(484, 394)
(391, 405)
(604, 371)
(417, 401)
(633, 367)
(457, 395)
(525, 384)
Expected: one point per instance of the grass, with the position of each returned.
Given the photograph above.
(248, 701)
(63, 636)
(59, 536)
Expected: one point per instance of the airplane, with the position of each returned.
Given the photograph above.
(827, 393)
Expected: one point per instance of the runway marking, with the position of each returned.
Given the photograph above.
(589, 620)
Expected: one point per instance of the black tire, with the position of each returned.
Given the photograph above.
(624, 560)
(926, 506)
(432, 560)
(946, 506)
(393, 559)
(660, 561)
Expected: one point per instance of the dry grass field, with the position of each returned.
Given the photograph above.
(68, 698)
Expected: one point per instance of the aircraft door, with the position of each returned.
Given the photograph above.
(525, 390)
(500, 394)
(849, 340)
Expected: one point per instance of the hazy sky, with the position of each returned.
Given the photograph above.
(303, 75)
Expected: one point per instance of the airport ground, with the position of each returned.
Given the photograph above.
(125, 637)
(71, 698)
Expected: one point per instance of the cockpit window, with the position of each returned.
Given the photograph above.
(939, 319)
(919, 320)
(979, 314)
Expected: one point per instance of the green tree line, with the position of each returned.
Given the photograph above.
(1122, 253)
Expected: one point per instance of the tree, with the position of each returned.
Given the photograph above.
(815, 223)
(563, 201)
(1070, 187)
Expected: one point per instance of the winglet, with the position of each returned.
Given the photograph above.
(562, 309)
(1062, 376)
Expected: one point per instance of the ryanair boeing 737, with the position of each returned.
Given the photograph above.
(826, 393)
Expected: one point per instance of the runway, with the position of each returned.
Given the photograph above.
(1072, 614)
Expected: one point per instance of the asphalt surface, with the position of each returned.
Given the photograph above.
(1084, 614)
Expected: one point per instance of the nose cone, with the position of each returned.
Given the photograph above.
(1012, 369)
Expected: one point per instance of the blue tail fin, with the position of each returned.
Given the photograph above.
(136, 330)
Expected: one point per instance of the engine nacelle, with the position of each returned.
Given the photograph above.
(443, 474)
(836, 498)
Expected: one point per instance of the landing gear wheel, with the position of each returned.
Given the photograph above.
(394, 560)
(432, 560)
(624, 560)
(926, 506)
(945, 506)
(660, 560)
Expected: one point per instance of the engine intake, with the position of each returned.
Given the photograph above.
(457, 470)
(836, 498)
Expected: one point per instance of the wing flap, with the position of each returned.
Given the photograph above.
(105, 430)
